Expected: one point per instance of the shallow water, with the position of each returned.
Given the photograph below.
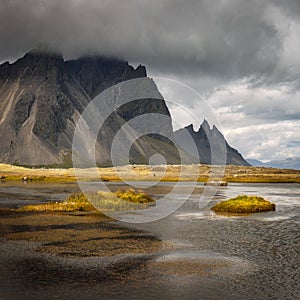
(209, 256)
(26, 193)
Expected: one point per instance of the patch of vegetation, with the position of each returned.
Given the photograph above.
(171, 173)
(121, 200)
(244, 205)
(132, 196)
(50, 179)
(269, 178)
(75, 202)
(106, 201)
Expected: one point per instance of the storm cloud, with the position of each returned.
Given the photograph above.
(249, 48)
(218, 38)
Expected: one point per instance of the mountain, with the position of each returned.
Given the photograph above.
(288, 163)
(211, 145)
(42, 97)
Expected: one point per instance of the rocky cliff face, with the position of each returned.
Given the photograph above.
(41, 97)
(211, 145)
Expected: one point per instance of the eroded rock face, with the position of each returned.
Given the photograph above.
(41, 97)
(211, 145)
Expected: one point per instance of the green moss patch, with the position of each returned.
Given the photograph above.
(244, 205)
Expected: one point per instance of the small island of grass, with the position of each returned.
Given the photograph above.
(103, 201)
(244, 205)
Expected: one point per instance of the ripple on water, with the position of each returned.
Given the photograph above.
(194, 262)
(195, 215)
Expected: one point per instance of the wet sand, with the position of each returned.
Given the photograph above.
(50, 255)
(75, 234)
(84, 255)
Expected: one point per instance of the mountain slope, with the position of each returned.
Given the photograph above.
(42, 96)
(211, 145)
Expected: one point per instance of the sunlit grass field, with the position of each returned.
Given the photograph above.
(172, 173)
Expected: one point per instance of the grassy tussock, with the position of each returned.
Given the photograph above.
(131, 195)
(121, 200)
(106, 201)
(75, 202)
(244, 204)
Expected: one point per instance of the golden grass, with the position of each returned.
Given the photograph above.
(75, 202)
(244, 205)
(104, 201)
(132, 196)
(201, 173)
(121, 200)
(264, 178)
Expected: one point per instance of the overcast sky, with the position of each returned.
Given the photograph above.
(241, 55)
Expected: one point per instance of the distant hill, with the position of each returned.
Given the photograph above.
(289, 163)
(255, 162)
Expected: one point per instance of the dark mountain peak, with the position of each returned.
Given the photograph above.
(5, 64)
(205, 126)
(44, 51)
(205, 122)
(37, 57)
(203, 129)
(190, 128)
(36, 64)
(96, 73)
(207, 139)
(141, 71)
(216, 131)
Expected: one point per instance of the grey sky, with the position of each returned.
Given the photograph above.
(241, 55)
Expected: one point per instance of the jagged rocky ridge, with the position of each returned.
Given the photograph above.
(211, 145)
(42, 97)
